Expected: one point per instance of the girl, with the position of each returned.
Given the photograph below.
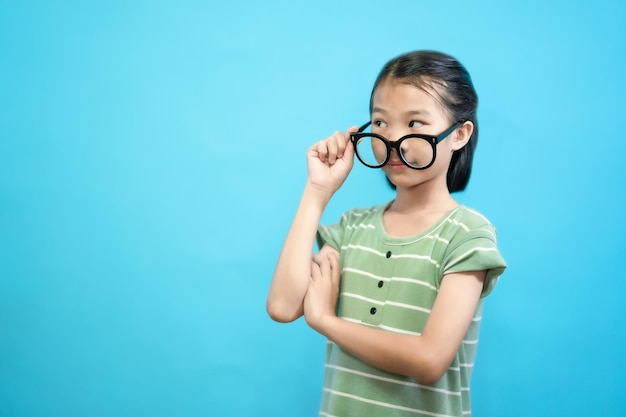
(402, 322)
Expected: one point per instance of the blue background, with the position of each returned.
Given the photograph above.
(152, 157)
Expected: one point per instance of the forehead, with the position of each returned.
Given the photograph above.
(401, 96)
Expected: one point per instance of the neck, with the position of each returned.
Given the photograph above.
(424, 197)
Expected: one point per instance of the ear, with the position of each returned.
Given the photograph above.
(462, 135)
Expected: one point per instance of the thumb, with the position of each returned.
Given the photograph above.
(349, 145)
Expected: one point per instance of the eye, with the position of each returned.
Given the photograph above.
(415, 124)
(379, 123)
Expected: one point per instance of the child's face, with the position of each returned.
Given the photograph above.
(400, 109)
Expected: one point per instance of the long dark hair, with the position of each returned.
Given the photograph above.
(443, 77)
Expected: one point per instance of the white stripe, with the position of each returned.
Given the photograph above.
(383, 303)
(367, 274)
(386, 405)
(440, 225)
(409, 306)
(384, 254)
(396, 330)
(360, 226)
(470, 342)
(395, 381)
(360, 297)
(365, 249)
(458, 223)
(364, 212)
(451, 264)
(479, 215)
(415, 281)
(330, 342)
(421, 257)
(437, 237)
(385, 279)
(380, 326)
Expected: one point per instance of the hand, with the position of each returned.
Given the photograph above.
(320, 300)
(330, 160)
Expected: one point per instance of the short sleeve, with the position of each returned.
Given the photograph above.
(477, 251)
(332, 234)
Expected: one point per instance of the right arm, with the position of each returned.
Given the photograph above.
(329, 163)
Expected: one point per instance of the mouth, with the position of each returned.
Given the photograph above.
(395, 165)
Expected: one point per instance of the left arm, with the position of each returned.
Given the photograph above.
(425, 358)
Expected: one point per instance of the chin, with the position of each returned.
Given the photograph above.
(398, 182)
(389, 183)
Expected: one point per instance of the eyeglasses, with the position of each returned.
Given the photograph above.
(415, 150)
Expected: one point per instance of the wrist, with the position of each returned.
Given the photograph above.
(324, 325)
(314, 193)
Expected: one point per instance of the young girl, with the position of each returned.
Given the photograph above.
(397, 289)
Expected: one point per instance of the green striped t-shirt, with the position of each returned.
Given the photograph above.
(391, 283)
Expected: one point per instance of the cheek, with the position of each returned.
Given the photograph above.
(444, 156)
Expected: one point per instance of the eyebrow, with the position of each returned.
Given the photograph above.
(420, 112)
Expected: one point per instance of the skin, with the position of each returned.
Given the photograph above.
(309, 286)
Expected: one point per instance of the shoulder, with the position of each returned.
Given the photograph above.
(473, 246)
(467, 222)
(362, 214)
(471, 217)
(353, 222)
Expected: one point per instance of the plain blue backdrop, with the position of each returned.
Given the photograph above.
(152, 157)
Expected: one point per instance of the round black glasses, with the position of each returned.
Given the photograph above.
(415, 150)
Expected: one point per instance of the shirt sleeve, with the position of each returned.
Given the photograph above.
(476, 251)
(332, 234)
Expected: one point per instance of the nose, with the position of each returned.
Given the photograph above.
(395, 135)
(395, 149)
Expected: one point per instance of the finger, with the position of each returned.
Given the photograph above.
(349, 151)
(325, 267)
(333, 146)
(315, 271)
(342, 143)
(333, 257)
(315, 258)
(335, 267)
(322, 150)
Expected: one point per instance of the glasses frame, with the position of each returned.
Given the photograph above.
(432, 140)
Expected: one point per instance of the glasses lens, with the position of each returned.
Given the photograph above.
(416, 152)
(371, 150)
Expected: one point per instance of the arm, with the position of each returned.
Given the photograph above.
(293, 270)
(329, 162)
(425, 358)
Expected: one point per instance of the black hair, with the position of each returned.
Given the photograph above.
(444, 78)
